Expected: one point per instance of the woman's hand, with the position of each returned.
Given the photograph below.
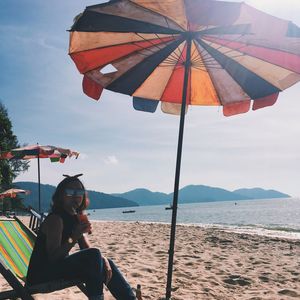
(108, 270)
(80, 229)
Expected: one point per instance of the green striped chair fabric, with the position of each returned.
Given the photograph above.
(16, 244)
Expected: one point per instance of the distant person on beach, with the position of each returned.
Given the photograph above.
(59, 233)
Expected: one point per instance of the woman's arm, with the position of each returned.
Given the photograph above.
(84, 243)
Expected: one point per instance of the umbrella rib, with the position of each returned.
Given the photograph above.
(197, 57)
(171, 60)
(251, 55)
(180, 59)
(205, 52)
(156, 13)
(174, 57)
(166, 19)
(174, 53)
(148, 49)
(207, 57)
(155, 45)
(231, 50)
(204, 67)
(168, 64)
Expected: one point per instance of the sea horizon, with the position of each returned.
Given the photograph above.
(278, 217)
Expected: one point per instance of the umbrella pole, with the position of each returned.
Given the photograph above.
(178, 164)
(39, 182)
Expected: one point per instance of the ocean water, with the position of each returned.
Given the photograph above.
(271, 217)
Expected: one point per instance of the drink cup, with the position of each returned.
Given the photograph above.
(82, 218)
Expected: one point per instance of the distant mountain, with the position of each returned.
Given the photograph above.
(142, 197)
(97, 199)
(102, 200)
(195, 194)
(203, 193)
(258, 193)
(145, 197)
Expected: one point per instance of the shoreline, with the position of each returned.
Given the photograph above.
(290, 234)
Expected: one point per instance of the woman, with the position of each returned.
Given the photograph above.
(60, 231)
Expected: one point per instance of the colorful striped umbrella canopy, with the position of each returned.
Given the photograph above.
(234, 56)
(12, 193)
(185, 52)
(55, 154)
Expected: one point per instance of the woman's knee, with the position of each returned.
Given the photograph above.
(94, 253)
(92, 256)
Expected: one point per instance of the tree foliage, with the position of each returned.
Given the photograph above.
(9, 169)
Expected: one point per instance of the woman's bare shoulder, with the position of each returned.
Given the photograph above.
(53, 222)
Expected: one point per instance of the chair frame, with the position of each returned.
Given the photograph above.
(25, 293)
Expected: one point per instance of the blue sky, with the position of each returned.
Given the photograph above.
(122, 149)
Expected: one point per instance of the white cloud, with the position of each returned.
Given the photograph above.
(111, 160)
(83, 156)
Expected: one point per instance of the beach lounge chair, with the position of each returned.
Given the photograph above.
(35, 219)
(16, 244)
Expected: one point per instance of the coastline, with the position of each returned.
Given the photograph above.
(210, 264)
(283, 233)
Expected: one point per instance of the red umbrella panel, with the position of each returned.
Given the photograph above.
(55, 154)
(185, 52)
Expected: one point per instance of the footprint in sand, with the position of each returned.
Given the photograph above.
(290, 293)
(264, 278)
(237, 280)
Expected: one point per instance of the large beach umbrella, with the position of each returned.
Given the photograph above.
(55, 154)
(185, 52)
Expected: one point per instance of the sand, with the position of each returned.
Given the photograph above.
(209, 263)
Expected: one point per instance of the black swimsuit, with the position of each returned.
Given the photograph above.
(40, 266)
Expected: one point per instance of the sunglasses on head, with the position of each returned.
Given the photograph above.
(74, 192)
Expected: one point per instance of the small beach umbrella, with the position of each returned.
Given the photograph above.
(12, 193)
(55, 154)
(185, 52)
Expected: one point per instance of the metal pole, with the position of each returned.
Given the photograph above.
(178, 164)
(39, 181)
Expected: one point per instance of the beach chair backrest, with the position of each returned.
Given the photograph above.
(16, 244)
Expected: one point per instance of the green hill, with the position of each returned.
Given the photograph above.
(145, 197)
(97, 199)
(199, 193)
(142, 197)
(258, 193)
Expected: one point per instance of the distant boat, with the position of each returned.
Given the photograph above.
(169, 207)
(128, 211)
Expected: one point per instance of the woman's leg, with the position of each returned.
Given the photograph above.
(118, 286)
(86, 265)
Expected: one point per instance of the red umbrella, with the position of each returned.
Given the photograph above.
(56, 154)
(185, 52)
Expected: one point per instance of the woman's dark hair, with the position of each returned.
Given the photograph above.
(58, 196)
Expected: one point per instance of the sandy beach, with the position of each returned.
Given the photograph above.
(209, 263)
